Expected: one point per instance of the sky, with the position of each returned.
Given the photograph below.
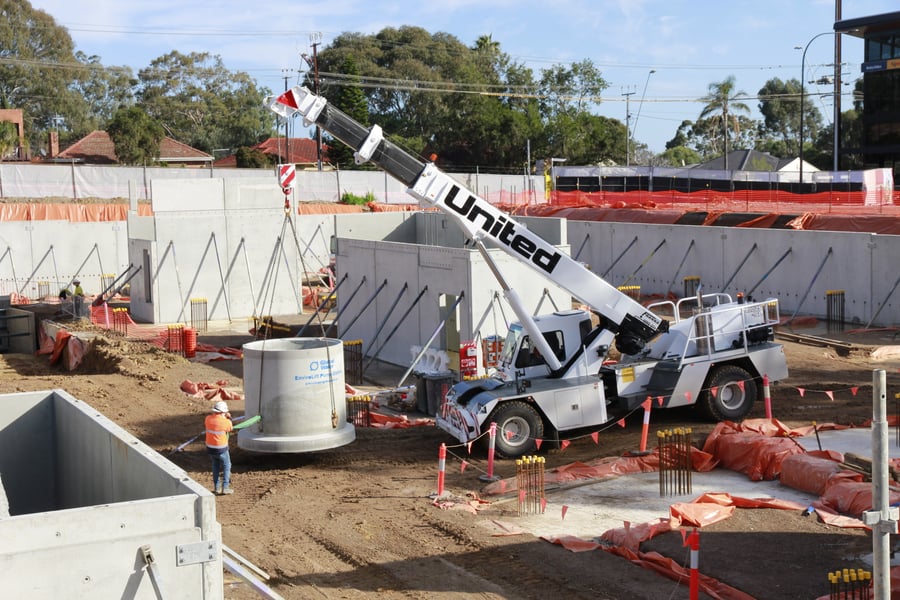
(659, 57)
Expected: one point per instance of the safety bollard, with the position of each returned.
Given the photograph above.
(646, 426)
(767, 396)
(694, 541)
(442, 463)
(492, 440)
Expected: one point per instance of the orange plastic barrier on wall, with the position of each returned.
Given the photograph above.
(75, 213)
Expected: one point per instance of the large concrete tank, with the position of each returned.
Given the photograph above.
(297, 386)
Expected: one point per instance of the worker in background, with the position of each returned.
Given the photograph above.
(218, 426)
(78, 298)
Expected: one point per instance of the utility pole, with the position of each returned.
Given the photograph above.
(315, 39)
(627, 125)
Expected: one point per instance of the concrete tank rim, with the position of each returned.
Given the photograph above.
(291, 344)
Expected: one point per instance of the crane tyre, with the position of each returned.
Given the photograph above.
(518, 427)
(729, 394)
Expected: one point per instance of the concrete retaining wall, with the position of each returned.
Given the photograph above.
(84, 496)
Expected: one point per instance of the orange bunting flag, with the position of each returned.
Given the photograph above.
(659, 400)
(714, 390)
(521, 495)
(687, 396)
(469, 447)
(647, 403)
(596, 437)
(565, 509)
(802, 391)
(462, 466)
(621, 422)
(684, 537)
(502, 486)
(830, 394)
(853, 390)
(537, 443)
(509, 434)
(741, 385)
(543, 504)
(564, 444)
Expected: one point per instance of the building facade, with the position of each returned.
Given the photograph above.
(881, 88)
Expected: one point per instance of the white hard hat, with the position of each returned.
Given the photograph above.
(76, 281)
(220, 407)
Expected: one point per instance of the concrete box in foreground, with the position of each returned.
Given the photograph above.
(87, 500)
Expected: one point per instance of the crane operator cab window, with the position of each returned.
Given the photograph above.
(530, 356)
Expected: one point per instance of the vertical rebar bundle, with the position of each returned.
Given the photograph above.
(359, 410)
(353, 362)
(175, 338)
(530, 484)
(834, 310)
(674, 448)
(43, 289)
(632, 291)
(120, 320)
(199, 318)
(850, 584)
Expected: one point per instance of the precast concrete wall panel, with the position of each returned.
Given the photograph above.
(387, 227)
(88, 497)
(747, 260)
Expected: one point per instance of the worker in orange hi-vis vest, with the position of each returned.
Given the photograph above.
(218, 426)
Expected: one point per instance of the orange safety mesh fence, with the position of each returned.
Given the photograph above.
(69, 212)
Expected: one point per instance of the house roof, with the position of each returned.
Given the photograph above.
(299, 151)
(746, 160)
(98, 148)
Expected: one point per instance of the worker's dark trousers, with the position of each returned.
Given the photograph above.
(221, 463)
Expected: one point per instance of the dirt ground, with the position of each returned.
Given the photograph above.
(358, 521)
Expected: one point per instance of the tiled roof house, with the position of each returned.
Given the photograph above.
(299, 151)
(98, 148)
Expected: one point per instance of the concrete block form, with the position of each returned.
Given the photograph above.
(88, 501)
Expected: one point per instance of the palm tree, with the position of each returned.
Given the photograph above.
(721, 106)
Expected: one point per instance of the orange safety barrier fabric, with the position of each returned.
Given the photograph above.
(75, 213)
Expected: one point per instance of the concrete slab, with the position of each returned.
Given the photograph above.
(594, 508)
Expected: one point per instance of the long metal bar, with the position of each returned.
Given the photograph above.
(769, 272)
(678, 270)
(270, 268)
(209, 242)
(883, 303)
(390, 311)
(437, 330)
(739, 267)
(30, 277)
(223, 279)
(327, 299)
(619, 257)
(812, 282)
(395, 328)
(365, 307)
(341, 310)
(11, 263)
(581, 247)
(646, 260)
(258, 586)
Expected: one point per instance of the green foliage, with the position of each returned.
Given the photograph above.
(252, 158)
(351, 100)
(348, 198)
(136, 136)
(722, 106)
(780, 107)
(679, 156)
(38, 67)
(202, 104)
(9, 139)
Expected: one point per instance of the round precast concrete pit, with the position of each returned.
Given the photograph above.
(296, 386)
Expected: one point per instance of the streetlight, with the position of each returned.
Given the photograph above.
(641, 105)
(802, 93)
(627, 123)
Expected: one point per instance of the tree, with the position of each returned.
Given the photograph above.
(202, 104)
(780, 107)
(136, 136)
(721, 108)
(37, 67)
(9, 139)
(104, 90)
(350, 99)
(251, 158)
(570, 131)
(679, 156)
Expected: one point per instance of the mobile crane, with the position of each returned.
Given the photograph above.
(554, 372)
